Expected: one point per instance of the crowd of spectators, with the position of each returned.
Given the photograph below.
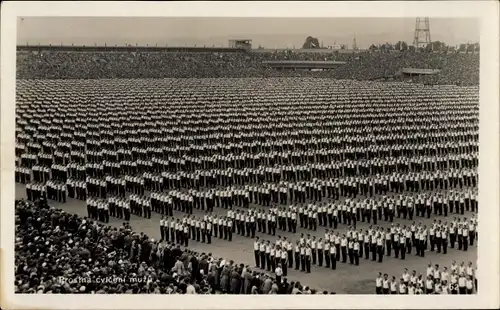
(58, 252)
(456, 68)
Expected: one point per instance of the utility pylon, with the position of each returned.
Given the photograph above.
(422, 36)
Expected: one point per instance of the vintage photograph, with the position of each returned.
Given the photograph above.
(246, 155)
(235, 155)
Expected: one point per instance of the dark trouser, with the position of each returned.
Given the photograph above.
(351, 256)
(209, 236)
(344, 254)
(380, 250)
(420, 247)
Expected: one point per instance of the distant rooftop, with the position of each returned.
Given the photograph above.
(420, 71)
(311, 62)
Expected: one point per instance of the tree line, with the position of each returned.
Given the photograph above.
(436, 46)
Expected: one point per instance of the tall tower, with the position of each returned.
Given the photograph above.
(422, 35)
(354, 44)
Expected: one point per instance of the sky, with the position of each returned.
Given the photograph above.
(267, 32)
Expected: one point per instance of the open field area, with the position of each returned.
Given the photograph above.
(244, 136)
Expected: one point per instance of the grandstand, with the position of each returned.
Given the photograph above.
(217, 138)
(164, 62)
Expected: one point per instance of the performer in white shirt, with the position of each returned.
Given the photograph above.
(379, 284)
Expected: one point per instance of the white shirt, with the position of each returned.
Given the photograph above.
(406, 277)
(469, 284)
(394, 286)
(278, 271)
(470, 271)
(386, 284)
(430, 271)
(437, 274)
(402, 288)
(445, 276)
(429, 284)
(283, 254)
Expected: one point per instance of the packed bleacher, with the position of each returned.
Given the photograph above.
(457, 68)
(57, 252)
